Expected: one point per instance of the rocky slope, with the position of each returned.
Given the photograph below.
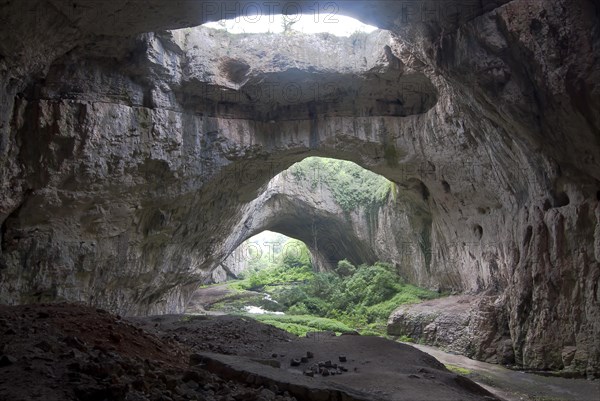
(128, 157)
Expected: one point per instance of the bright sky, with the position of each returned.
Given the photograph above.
(338, 25)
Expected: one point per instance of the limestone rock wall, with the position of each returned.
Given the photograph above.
(471, 325)
(127, 158)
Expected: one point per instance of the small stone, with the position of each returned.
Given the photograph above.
(328, 364)
(267, 394)
(7, 360)
(191, 375)
(304, 359)
(309, 372)
(273, 355)
(295, 362)
(325, 372)
(115, 337)
(343, 358)
(44, 346)
(74, 342)
(196, 359)
(310, 355)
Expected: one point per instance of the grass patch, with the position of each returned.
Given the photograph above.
(406, 339)
(301, 324)
(458, 370)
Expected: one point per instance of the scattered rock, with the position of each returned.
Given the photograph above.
(196, 359)
(6, 360)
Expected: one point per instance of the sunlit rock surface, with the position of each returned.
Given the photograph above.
(128, 157)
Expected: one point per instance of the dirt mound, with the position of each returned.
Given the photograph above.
(230, 335)
(71, 352)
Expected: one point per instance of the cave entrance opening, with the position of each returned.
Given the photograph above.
(314, 265)
(329, 204)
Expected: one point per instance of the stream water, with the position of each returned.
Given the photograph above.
(514, 385)
(257, 310)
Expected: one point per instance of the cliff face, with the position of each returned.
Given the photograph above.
(129, 158)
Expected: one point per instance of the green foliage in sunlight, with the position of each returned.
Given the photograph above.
(351, 298)
(351, 185)
(346, 299)
(291, 265)
(302, 324)
(364, 298)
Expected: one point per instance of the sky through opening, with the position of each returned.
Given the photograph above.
(337, 25)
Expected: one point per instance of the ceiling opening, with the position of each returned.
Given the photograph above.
(331, 23)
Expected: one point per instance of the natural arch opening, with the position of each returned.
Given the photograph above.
(340, 272)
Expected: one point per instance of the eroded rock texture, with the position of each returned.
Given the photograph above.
(128, 156)
(471, 325)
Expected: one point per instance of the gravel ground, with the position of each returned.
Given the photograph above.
(70, 352)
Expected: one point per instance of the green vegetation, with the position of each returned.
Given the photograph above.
(302, 324)
(406, 339)
(362, 297)
(289, 263)
(350, 298)
(350, 184)
(458, 370)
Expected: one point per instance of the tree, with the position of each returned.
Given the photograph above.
(287, 23)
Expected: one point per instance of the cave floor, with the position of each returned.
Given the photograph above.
(510, 385)
(69, 352)
(73, 352)
(238, 347)
(514, 385)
